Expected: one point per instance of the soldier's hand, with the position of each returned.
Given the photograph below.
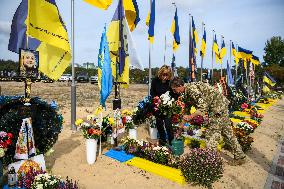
(187, 117)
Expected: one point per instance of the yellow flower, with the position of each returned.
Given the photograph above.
(98, 110)
(192, 110)
(79, 122)
(126, 112)
(111, 120)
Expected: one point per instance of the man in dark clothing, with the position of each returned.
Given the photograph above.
(159, 86)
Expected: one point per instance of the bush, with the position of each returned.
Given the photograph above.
(202, 166)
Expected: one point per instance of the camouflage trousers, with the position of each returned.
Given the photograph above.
(220, 126)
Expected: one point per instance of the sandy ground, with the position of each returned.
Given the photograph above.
(69, 159)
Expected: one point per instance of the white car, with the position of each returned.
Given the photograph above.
(65, 77)
(94, 79)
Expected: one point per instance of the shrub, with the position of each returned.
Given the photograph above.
(202, 166)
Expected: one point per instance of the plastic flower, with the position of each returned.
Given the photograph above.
(111, 120)
(98, 110)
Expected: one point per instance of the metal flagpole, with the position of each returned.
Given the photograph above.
(230, 57)
(203, 28)
(73, 85)
(150, 67)
(189, 50)
(236, 76)
(221, 59)
(165, 49)
(212, 60)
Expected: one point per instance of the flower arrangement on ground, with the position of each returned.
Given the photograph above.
(163, 105)
(151, 152)
(247, 128)
(90, 129)
(5, 142)
(202, 166)
(144, 110)
(244, 140)
(152, 121)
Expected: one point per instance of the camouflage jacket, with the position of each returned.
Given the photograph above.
(206, 98)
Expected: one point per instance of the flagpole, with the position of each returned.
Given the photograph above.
(221, 60)
(236, 64)
(165, 49)
(201, 53)
(150, 67)
(230, 57)
(189, 49)
(212, 59)
(73, 85)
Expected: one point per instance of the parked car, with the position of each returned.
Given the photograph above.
(65, 77)
(83, 77)
(94, 79)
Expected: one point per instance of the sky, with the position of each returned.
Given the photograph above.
(247, 23)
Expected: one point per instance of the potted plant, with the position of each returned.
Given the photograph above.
(152, 127)
(91, 132)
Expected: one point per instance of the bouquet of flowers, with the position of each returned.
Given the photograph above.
(144, 110)
(45, 181)
(152, 121)
(25, 180)
(244, 139)
(91, 128)
(5, 142)
(127, 119)
(247, 128)
(163, 104)
(178, 110)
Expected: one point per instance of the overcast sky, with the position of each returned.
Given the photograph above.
(248, 23)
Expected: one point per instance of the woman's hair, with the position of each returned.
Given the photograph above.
(165, 70)
(176, 82)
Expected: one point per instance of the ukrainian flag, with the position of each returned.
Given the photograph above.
(203, 44)
(223, 50)
(175, 31)
(102, 4)
(151, 22)
(216, 49)
(265, 89)
(244, 53)
(234, 51)
(114, 34)
(130, 6)
(47, 34)
(255, 60)
(104, 70)
(195, 36)
(268, 79)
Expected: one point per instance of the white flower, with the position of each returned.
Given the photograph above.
(2, 152)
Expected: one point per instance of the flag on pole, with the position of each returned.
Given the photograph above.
(255, 60)
(104, 70)
(268, 79)
(203, 44)
(175, 32)
(216, 49)
(235, 54)
(102, 4)
(244, 53)
(194, 36)
(251, 72)
(265, 89)
(46, 34)
(130, 7)
(229, 74)
(223, 50)
(114, 34)
(151, 22)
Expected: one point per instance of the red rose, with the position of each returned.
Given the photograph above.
(8, 142)
(124, 120)
(10, 135)
(90, 131)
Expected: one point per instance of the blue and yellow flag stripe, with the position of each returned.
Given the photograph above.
(255, 60)
(244, 53)
(175, 32)
(151, 23)
(203, 44)
(223, 50)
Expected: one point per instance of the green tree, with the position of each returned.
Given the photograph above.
(274, 51)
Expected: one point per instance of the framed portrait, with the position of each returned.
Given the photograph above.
(28, 63)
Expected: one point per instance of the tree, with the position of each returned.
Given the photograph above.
(274, 51)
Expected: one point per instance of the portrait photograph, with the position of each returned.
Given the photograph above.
(28, 63)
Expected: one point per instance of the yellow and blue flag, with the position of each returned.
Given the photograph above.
(235, 54)
(255, 60)
(223, 50)
(130, 7)
(265, 89)
(216, 49)
(151, 23)
(268, 79)
(203, 44)
(244, 53)
(175, 32)
(104, 70)
(194, 36)
(116, 36)
(102, 4)
(47, 34)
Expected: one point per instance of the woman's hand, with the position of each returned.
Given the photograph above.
(187, 117)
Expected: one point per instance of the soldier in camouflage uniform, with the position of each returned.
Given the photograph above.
(208, 100)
